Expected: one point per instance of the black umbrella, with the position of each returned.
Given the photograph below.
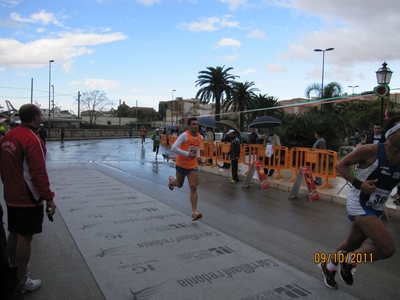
(222, 123)
(265, 122)
(172, 127)
(207, 122)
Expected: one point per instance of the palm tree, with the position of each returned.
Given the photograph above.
(215, 83)
(241, 99)
(261, 102)
(331, 90)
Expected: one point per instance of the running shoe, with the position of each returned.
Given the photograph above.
(346, 271)
(397, 201)
(329, 276)
(233, 181)
(31, 285)
(395, 196)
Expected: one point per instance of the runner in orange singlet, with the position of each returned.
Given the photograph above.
(187, 146)
(143, 133)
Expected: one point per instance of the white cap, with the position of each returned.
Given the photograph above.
(231, 131)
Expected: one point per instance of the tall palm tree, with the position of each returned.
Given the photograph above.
(264, 101)
(331, 90)
(241, 99)
(215, 83)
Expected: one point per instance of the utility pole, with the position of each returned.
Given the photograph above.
(31, 90)
(119, 112)
(79, 109)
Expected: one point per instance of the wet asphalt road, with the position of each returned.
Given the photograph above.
(289, 230)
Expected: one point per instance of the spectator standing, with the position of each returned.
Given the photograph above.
(356, 137)
(377, 136)
(234, 155)
(271, 139)
(62, 134)
(42, 133)
(225, 138)
(209, 136)
(26, 188)
(319, 144)
(201, 131)
(10, 288)
(253, 136)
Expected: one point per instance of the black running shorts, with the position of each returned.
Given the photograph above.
(25, 220)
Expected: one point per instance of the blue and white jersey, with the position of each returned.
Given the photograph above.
(359, 203)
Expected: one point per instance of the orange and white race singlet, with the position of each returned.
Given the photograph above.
(143, 131)
(191, 145)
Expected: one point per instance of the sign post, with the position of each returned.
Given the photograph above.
(256, 166)
(306, 174)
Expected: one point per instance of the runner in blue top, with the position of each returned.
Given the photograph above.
(378, 173)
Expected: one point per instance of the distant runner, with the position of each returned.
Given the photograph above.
(143, 133)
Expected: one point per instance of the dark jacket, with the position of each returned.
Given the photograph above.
(370, 138)
(234, 152)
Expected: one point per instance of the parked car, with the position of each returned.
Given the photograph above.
(245, 138)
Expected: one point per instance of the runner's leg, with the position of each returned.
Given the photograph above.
(193, 179)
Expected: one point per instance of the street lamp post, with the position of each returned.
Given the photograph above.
(173, 106)
(383, 76)
(136, 116)
(48, 120)
(353, 87)
(323, 66)
(52, 101)
(119, 110)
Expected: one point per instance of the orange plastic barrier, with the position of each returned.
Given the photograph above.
(322, 163)
(248, 154)
(277, 161)
(172, 139)
(207, 152)
(221, 151)
(253, 152)
(163, 140)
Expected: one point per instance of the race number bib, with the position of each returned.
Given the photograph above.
(193, 149)
(378, 199)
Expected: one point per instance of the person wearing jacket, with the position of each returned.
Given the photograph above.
(234, 155)
(26, 189)
(271, 139)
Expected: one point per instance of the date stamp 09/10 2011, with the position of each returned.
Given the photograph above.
(341, 257)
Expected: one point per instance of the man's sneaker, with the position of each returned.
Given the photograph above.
(233, 181)
(397, 201)
(329, 276)
(31, 285)
(346, 272)
(395, 196)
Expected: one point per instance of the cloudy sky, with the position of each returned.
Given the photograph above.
(142, 50)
